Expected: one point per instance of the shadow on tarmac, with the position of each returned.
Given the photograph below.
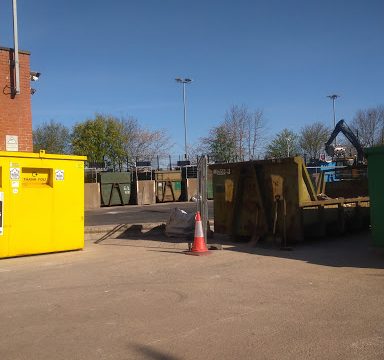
(151, 353)
(136, 237)
(352, 250)
(136, 231)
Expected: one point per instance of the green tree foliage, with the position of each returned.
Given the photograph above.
(312, 139)
(117, 143)
(284, 144)
(91, 138)
(52, 137)
(220, 144)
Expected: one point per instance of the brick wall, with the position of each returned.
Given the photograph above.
(15, 110)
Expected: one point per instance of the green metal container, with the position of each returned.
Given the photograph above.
(209, 184)
(115, 188)
(168, 185)
(375, 158)
(168, 190)
(166, 175)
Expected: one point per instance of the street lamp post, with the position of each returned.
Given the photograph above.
(288, 145)
(333, 98)
(184, 81)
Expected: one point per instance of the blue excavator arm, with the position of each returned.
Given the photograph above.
(342, 127)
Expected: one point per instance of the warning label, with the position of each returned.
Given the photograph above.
(59, 175)
(15, 173)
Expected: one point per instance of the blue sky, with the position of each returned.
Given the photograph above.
(121, 58)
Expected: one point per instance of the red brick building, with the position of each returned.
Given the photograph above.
(15, 109)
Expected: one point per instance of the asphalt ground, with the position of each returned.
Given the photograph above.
(132, 298)
(134, 214)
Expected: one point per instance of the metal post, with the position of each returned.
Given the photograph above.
(184, 82)
(16, 49)
(288, 149)
(333, 98)
(185, 125)
(334, 118)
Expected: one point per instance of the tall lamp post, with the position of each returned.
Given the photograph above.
(333, 98)
(288, 139)
(184, 81)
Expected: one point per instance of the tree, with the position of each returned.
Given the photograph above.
(236, 120)
(91, 138)
(312, 139)
(220, 145)
(52, 137)
(247, 128)
(256, 133)
(117, 138)
(240, 136)
(369, 126)
(117, 143)
(284, 144)
(143, 144)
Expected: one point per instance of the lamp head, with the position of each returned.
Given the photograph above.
(184, 81)
(333, 97)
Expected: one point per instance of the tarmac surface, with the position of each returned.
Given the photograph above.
(133, 214)
(143, 298)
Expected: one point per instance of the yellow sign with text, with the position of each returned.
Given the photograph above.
(35, 176)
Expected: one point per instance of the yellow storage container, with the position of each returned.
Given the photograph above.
(41, 203)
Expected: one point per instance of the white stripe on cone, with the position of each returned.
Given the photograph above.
(199, 230)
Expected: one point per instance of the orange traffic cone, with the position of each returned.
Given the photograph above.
(199, 247)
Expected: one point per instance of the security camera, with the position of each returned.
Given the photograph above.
(34, 75)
